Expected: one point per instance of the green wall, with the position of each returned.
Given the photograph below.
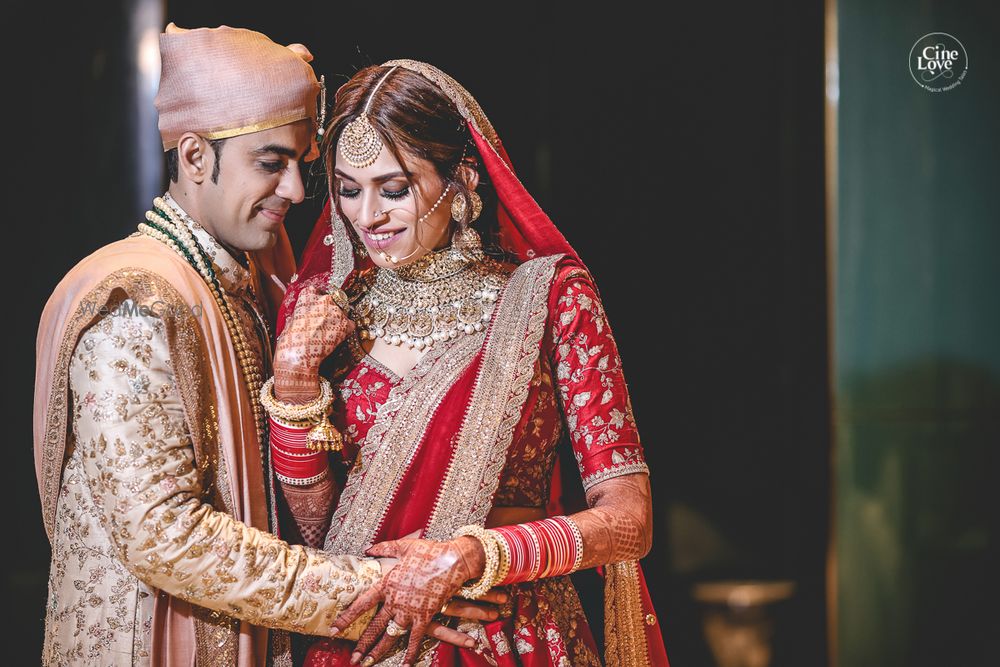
(916, 340)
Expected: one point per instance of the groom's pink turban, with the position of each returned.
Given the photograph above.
(223, 82)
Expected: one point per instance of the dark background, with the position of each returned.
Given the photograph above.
(683, 159)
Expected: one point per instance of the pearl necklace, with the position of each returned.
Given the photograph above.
(164, 224)
(438, 297)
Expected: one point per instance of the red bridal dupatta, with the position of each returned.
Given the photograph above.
(432, 459)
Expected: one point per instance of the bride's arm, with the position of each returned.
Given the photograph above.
(313, 332)
(619, 525)
(598, 414)
(311, 508)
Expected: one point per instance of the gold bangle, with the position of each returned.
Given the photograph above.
(481, 586)
(314, 410)
(503, 551)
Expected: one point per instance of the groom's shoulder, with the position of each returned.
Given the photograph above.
(135, 255)
(142, 268)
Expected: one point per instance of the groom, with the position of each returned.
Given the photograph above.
(150, 442)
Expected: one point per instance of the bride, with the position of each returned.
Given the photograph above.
(456, 372)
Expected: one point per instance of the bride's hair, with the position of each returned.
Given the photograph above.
(414, 118)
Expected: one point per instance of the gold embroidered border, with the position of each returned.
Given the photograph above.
(612, 472)
(391, 443)
(467, 105)
(508, 364)
(342, 257)
(227, 133)
(186, 359)
(624, 630)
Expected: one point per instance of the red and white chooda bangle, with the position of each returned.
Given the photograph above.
(539, 549)
(294, 463)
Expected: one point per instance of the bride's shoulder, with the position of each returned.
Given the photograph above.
(570, 277)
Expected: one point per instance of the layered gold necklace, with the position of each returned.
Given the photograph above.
(440, 296)
(165, 224)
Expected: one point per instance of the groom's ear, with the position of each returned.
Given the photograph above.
(192, 158)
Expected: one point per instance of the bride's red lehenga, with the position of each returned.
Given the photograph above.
(477, 423)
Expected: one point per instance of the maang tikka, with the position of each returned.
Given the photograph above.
(360, 144)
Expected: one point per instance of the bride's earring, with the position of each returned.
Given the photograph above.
(459, 204)
(466, 239)
(477, 206)
(458, 207)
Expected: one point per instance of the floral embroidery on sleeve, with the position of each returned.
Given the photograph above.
(591, 386)
(139, 463)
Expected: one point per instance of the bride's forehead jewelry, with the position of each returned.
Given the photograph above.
(360, 144)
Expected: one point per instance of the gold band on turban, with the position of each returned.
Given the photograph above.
(224, 82)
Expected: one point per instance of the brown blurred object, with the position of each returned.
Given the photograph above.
(737, 623)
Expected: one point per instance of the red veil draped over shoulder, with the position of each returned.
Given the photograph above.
(462, 419)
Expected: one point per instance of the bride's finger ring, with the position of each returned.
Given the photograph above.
(444, 607)
(394, 629)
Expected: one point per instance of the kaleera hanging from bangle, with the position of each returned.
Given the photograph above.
(324, 436)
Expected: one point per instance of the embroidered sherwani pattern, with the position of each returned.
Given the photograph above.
(133, 508)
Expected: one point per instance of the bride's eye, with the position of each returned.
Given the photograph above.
(396, 194)
(348, 193)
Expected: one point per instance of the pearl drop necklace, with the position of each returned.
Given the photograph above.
(445, 294)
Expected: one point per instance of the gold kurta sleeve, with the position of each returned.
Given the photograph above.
(139, 463)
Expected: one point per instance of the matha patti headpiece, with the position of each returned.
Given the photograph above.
(360, 144)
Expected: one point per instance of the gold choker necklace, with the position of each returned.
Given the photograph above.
(436, 298)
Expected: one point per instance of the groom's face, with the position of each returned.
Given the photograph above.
(260, 177)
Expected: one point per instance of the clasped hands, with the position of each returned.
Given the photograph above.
(420, 585)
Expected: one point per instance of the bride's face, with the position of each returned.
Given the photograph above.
(385, 209)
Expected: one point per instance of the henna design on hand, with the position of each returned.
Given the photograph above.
(311, 507)
(619, 525)
(314, 330)
(427, 575)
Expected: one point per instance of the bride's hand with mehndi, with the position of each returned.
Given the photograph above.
(314, 330)
(424, 580)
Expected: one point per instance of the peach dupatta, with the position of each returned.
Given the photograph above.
(215, 399)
